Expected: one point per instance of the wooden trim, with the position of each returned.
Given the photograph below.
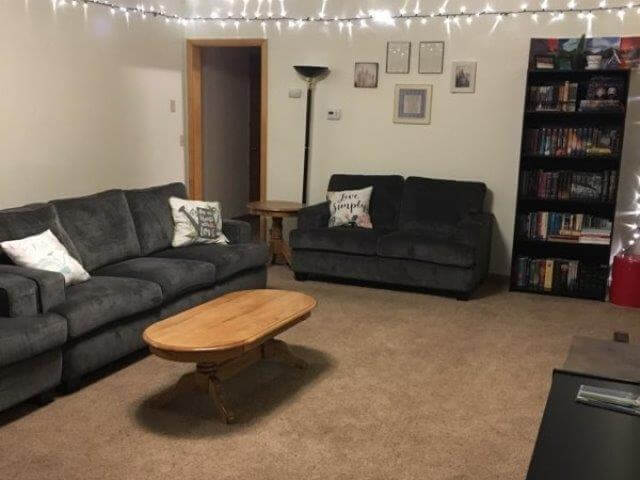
(194, 101)
(194, 127)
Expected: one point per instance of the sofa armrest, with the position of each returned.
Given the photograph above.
(50, 285)
(237, 231)
(18, 296)
(476, 230)
(314, 216)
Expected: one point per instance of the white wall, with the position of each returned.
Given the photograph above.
(225, 128)
(471, 136)
(85, 101)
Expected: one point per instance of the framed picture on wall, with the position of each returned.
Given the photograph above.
(412, 104)
(365, 75)
(398, 57)
(430, 57)
(463, 77)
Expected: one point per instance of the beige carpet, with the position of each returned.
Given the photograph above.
(401, 386)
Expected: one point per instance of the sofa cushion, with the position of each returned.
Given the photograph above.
(417, 246)
(100, 226)
(26, 337)
(228, 259)
(435, 206)
(152, 215)
(17, 223)
(385, 198)
(359, 241)
(102, 300)
(175, 276)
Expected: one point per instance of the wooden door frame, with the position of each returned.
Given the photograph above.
(195, 165)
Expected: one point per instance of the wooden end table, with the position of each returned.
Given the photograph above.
(277, 210)
(226, 335)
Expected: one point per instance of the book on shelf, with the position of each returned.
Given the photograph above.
(569, 142)
(553, 98)
(601, 106)
(558, 275)
(569, 185)
(564, 227)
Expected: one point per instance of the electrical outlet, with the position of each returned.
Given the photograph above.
(334, 114)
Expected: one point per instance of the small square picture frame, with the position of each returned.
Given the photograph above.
(430, 57)
(463, 77)
(412, 104)
(398, 57)
(365, 75)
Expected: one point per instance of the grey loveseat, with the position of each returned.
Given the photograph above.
(50, 333)
(427, 234)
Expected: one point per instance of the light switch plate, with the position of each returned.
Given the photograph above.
(172, 106)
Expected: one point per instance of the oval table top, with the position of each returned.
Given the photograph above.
(275, 206)
(236, 321)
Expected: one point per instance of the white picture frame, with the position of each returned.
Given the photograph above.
(431, 57)
(398, 57)
(463, 77)
(412, 104)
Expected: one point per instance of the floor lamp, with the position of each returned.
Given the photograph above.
(312, 75)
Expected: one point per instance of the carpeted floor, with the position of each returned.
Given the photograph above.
(401, 386)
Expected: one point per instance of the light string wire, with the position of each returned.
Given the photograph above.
(381, 16)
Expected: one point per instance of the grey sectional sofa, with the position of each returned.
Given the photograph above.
(427, 234)
(50, 333)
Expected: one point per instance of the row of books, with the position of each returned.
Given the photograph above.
(553, 98)
(547, 274)
(564, 227)
(569, 185)
(571, 141)
(558, 275)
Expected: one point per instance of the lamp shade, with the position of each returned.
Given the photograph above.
(311, 71)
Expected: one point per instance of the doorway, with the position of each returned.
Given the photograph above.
(227, 124)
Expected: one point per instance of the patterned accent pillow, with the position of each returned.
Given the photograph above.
(350, 207)
(196, 222)
(45, 252)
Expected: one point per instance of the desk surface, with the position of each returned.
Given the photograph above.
(582, 442)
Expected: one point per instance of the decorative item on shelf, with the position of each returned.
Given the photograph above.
(463, 77)
(398, 57)
(365, 75)
(431, 57)
(312, 74)
(545, 62)
(412, 104)
(594, 62)
(603, 95)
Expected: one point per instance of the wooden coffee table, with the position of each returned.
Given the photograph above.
(277, 210)
(226, 335)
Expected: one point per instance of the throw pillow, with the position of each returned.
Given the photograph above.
(45, 252)
(196, 222)
(350, 207)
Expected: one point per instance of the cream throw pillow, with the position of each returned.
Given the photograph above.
(350, 207)
(196, 222)
(45, 252)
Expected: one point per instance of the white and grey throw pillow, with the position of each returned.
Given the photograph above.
(45, 252)
(350, 207)
(196, 222)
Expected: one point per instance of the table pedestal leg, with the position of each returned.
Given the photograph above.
(208, 377)
(277, 245)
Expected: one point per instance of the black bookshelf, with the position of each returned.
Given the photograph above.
(593, 266)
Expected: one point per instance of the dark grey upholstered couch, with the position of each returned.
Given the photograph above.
(50, 333)
(427, 234)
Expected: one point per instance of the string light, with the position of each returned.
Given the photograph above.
(378, 16)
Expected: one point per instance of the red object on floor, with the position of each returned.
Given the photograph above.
(625, 281)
